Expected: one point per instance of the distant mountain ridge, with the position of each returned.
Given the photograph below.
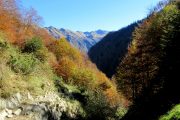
(81, 40)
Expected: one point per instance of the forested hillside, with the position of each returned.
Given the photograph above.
(148, 74)
(107, 53)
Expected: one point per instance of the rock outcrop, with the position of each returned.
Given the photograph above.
(48, 107)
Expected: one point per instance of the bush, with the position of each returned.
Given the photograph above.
(97, 106)
(62, 48)
(120, 112)
(36, 47)
(84, 77)
(65, 68)
(41, 54)
(33, 45)
(22, 63)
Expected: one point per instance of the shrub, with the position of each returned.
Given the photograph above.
(65, 68)
(97, 106)
(22, 63)
(41, 54)
(62, 48)
(120, 112)
(36, 47)
(33, 45)
(83, 77)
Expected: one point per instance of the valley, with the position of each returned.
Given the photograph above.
(51, 73)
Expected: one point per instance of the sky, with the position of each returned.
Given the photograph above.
(89, 15)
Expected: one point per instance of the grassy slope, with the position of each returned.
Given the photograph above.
(37, 81)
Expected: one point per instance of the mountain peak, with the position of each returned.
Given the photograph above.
(62, 29)
(99, 31)
(81, 40)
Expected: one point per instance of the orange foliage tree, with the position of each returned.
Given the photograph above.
(19, 26)
(9, 19)
(76, 69)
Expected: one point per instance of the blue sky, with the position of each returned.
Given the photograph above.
(88, 15)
